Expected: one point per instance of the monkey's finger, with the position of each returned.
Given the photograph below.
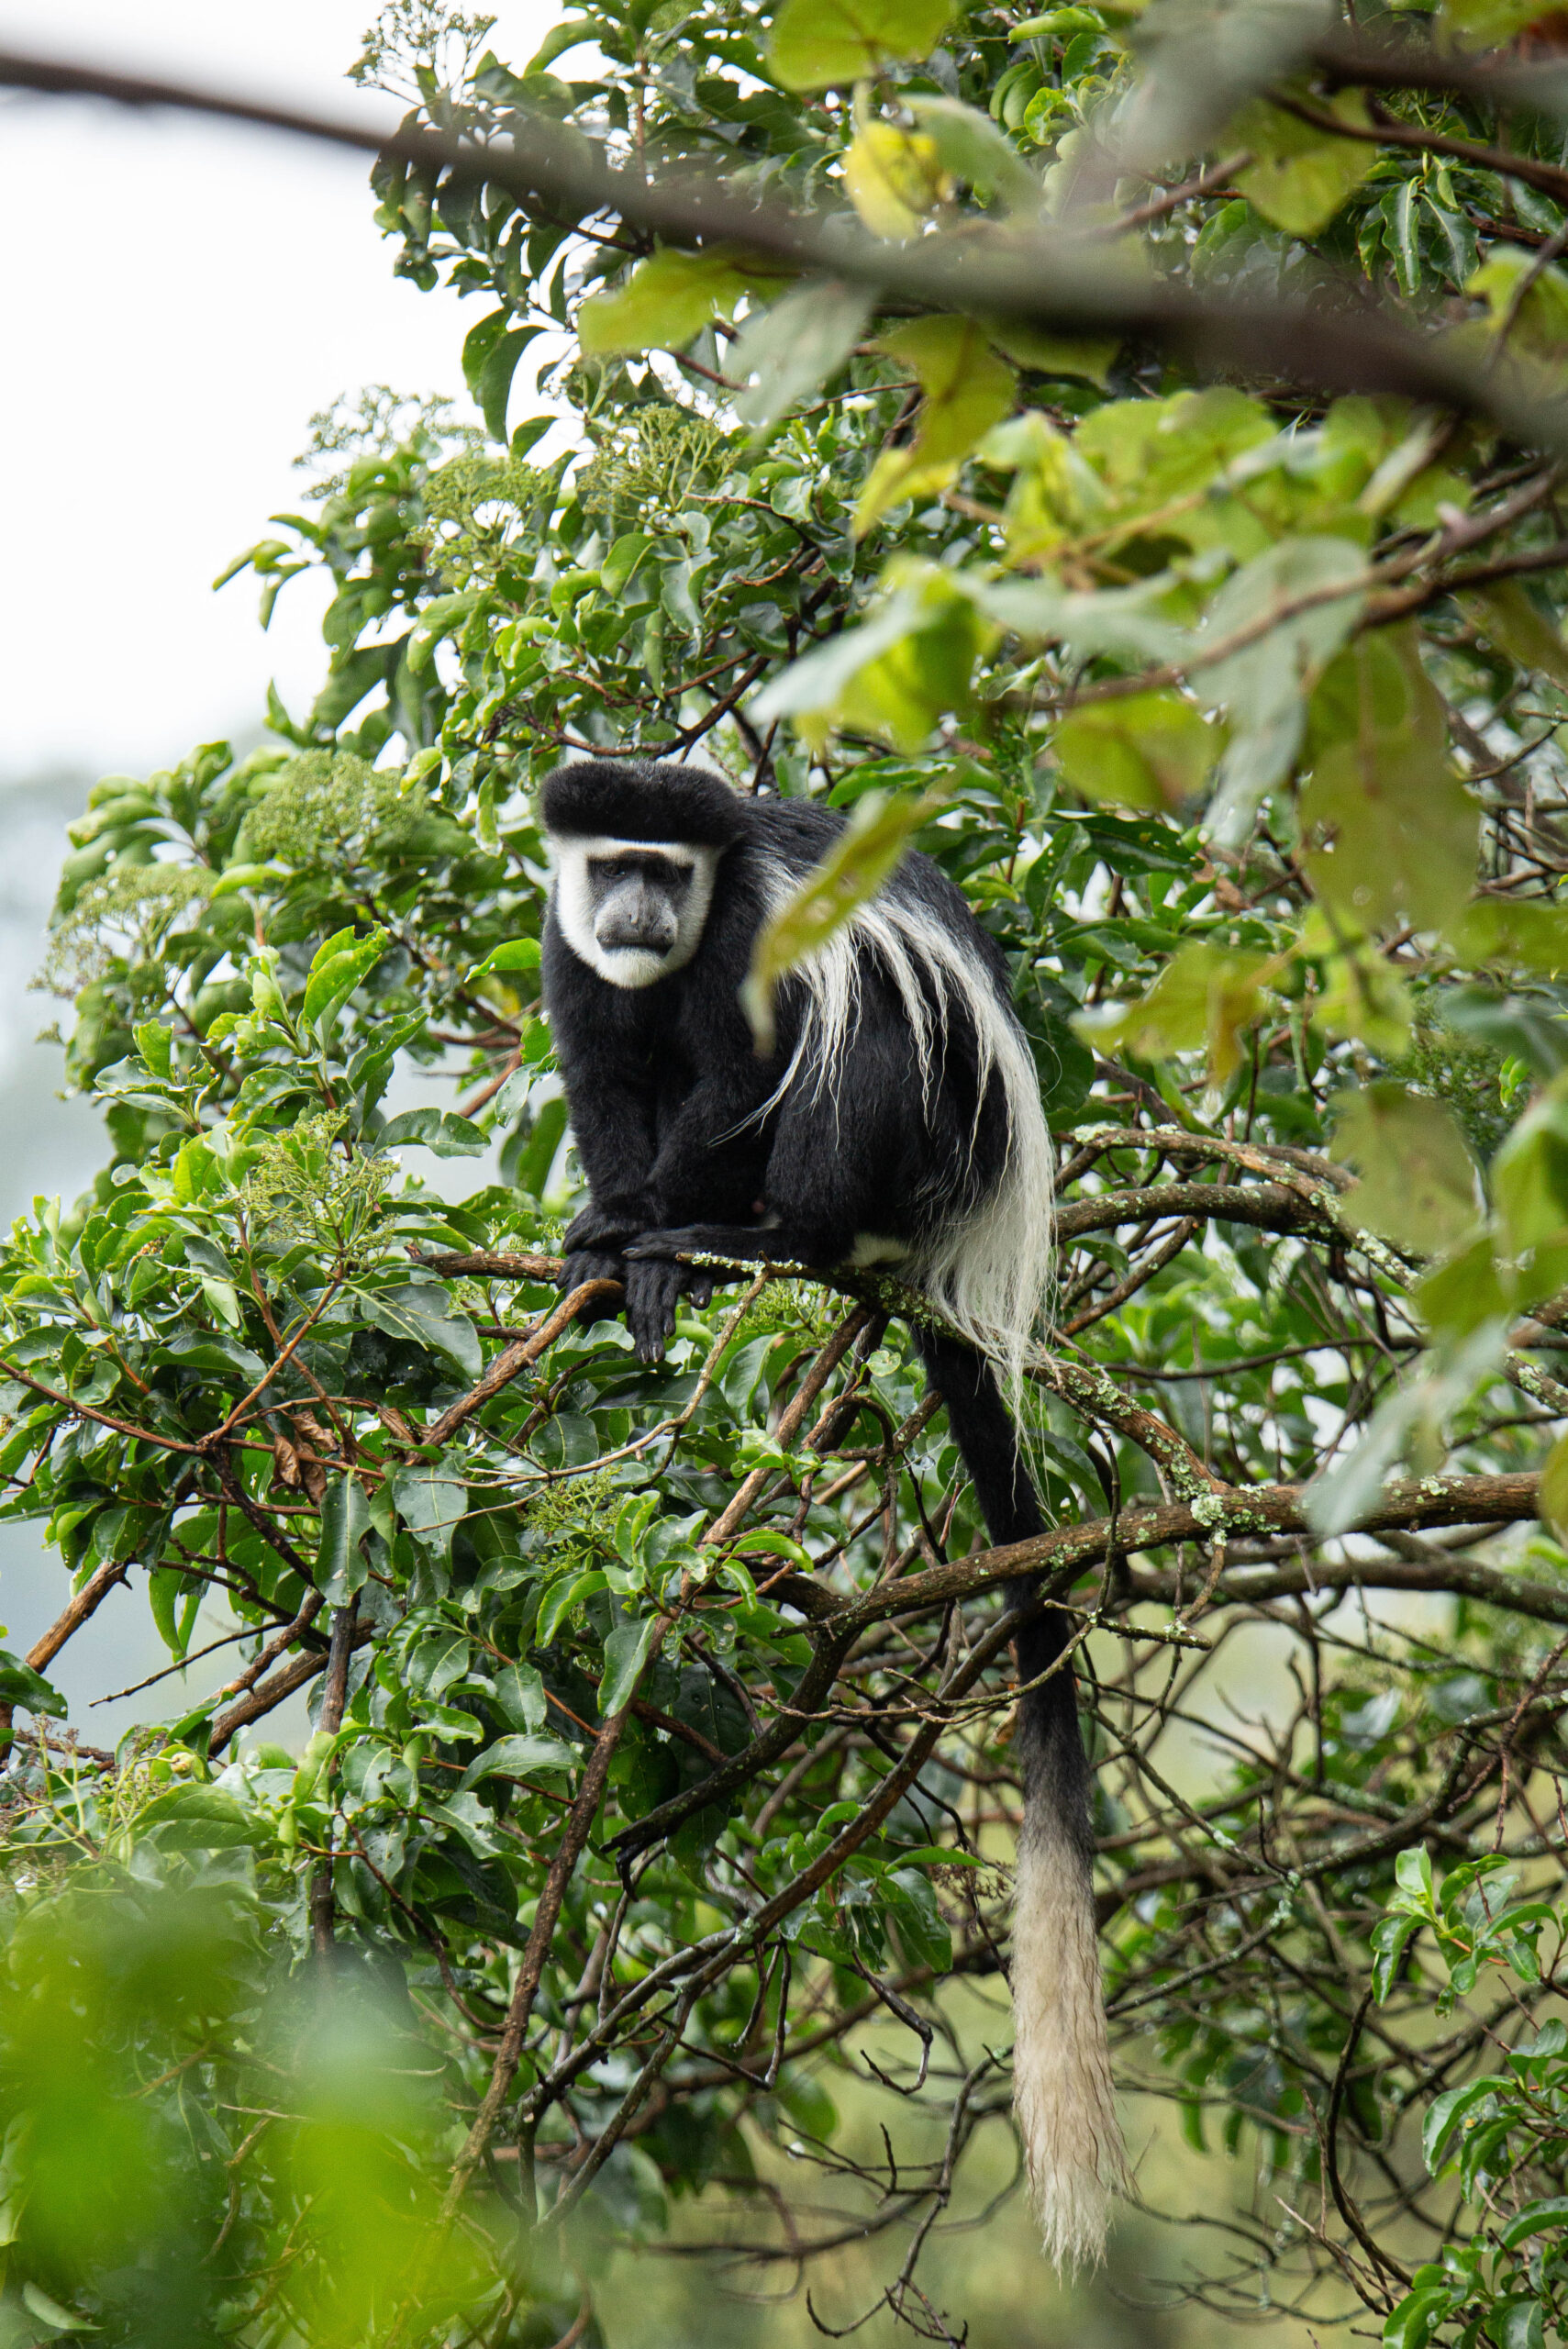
(700, 1291)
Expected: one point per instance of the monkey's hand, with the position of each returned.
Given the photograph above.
(592, 1265)
(603, 1230)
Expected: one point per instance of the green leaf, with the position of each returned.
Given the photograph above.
(340, 1567)
(617, 572)
(20, 1685)
(534, 1163)
(202, 1818)
(518, 1757)
(38, 2303)
(1085, 358)
(1413, 1872)
(155, 1042)
(817, 42)
(1463, 1294)
(792, 348)
(910, 663)
(912, 1911)
(440, 619)
(173, 1603)
(1523, 933)
(666, 300)
(974, 148)
(1554, 1489)
(968, 389)
(478, 344)
(1529, 1174)
(1444, 2117)
(519, 1693)
(866, 853)
(337, 971)
(431, 1505)
(1418, 1185)
(1523, 2324)
(1396, 829)
(1552, 2211)
(1264, 684)
(442, 1131)
(1204, 997)
(1508, 616)
(1299, 176)
(494, 389)
(1531, 302)
(424, 1315)
(1149, 750)
(512, 955)
(626, 1653)
(1486, 24)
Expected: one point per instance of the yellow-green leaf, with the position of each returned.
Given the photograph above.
(968, 389)
(1396, 832)
(895, 178)
(1529, 1175)
(975, 149)
(1299, 176)
(1528, 935)
(1486, 24)
(1204, 998)
(1535, 315)
(863, 856)
(815, 42)
(1507, 617)
(1554, 1489)
(1468, 1290)
(1417, 1180)
(1363, 995)
(910, 663)
(667, 299)
(1146, 750)
(1085, 359)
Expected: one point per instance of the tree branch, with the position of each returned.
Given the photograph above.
(1048, 278)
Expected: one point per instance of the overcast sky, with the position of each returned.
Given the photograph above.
(180, 297)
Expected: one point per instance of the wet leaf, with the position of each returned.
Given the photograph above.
(1417, 1180)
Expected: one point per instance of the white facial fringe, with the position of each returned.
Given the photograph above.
(627, 966)
(1061, 2071)
(991, 1274)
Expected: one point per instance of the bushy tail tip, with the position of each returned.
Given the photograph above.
(1063, 2092)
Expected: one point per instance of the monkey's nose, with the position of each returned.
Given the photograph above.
(637, 919)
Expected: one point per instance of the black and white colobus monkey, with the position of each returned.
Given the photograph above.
(898, 1120)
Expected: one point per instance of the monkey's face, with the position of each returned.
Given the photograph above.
(633, 910)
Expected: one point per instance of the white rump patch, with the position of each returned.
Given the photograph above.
(570, 855)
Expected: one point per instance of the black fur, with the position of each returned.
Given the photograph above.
(665, 1087)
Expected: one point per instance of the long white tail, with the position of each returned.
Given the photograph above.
(1062, 2073)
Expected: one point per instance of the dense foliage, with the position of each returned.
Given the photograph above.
(659, 1776)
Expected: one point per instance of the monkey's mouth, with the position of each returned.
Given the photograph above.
(655, 939)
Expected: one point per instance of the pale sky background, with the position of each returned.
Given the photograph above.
(180, 297)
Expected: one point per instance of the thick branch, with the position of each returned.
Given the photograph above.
(1046, 277)
(1411, 1503)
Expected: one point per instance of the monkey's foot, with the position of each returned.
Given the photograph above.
(653, 1288)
